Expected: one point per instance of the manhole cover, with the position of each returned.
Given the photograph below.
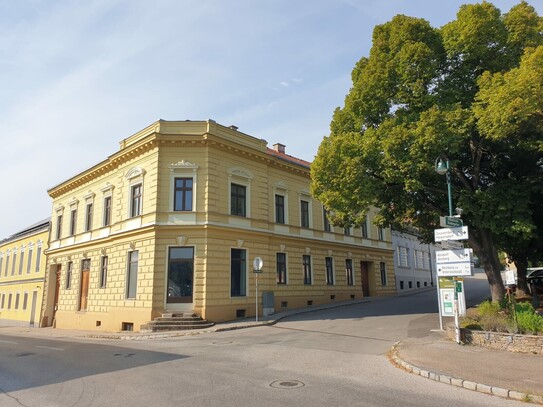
(287, 384)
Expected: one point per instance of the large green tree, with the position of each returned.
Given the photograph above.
(472, 91)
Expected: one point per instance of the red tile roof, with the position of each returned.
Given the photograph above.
(289, 158)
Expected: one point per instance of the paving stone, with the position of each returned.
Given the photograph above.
(483, 388)
(498, 391)
(469, 385)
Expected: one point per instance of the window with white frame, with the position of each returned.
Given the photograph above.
(383, 271)
(132, 277)
(381, 233)
(329, 264)
(325, 220)
(281, 260)
(69, 273)
(103, 271)
(364, 227)
(135, 200)
(135, 177)
(306, 263)
(29, 261)
(403, 256)
(279, 209)
(7, 264)
(38, 258)
(183, 184)
(349, 271)
(238, 272)
(304, 213)
(88, 216)
(239, 192)
(13, 263)
(21, 261)
(107, 204)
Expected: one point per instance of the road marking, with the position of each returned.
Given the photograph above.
(48, 347)
(13, 343)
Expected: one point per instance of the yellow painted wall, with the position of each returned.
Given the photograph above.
(21, 282)
(215, 156)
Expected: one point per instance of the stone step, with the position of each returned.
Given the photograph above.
(176, 327)
(176, 322)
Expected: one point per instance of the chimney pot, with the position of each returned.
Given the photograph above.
(280, 148)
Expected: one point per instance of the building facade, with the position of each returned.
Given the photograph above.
(22, 275)
(172, 221)
(414, 262)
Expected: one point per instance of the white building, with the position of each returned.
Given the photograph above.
(414, 262)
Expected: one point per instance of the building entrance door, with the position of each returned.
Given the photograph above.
(365, 278)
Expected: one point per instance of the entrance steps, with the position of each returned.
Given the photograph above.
(176, 322)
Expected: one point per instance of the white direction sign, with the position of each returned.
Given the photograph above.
(460, 233)
(453, 256)
(454, 269)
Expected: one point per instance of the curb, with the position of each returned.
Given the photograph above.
(458, 382)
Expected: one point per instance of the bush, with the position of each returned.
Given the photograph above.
(528, 321)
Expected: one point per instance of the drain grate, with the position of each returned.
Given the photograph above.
(287, 384)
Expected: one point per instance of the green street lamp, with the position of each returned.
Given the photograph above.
(442, 168)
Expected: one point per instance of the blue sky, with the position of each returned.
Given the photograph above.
(79, 76)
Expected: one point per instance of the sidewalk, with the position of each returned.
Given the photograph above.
(504, 374)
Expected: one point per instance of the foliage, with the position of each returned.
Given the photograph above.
(471, 90)
(528, 321)
(500, 317)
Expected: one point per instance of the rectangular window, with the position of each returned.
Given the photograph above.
(21, 261)
(401, 285)
(182, 200)
(103, 272)
(349, 271)
(59, 227)
(329, 270)
(73, 221)
(238, 195)
(383, 270)
(107, 211)
(25, 300)
(279, 209)
(17, 296)
(29, 262)
(9, 300)
(180, 274)
(410, 284)
(238, 273)
(1, 260)
(364, 228)
(132, 280)
(88, 217)
(403, 256)
(281, 268)
(135, 200)
(3, 300)
(304, 213)
(69, 271)
(381, 233)
(306, 261)
(347, 231)
(7, 266)
(326, 221)
(13, 264)
(38, 259)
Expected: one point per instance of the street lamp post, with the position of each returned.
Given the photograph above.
(442, 168)
(257, 269)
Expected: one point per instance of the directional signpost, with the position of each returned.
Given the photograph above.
(451, 264)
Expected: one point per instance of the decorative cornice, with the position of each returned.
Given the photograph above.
(135, 173)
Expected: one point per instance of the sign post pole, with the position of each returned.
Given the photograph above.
(257, 269)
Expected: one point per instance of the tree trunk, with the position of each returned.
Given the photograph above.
(483, 245)
(522, 285)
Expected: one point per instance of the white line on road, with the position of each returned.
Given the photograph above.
(13, 343)
(48, 347)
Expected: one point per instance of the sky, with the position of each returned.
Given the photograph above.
(79, 76)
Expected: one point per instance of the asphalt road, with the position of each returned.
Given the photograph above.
(332, 357)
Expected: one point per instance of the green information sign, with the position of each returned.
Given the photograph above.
(453, 222)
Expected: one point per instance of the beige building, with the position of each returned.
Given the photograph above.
(22, 275)
(172, 221)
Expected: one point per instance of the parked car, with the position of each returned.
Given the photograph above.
(534, 278)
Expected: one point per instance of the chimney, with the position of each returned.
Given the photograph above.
(235, 128)
(280, 148)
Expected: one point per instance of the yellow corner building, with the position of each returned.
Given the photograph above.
(171, 224)
(22, 275)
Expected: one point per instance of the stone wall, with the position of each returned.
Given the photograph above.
(500, 341)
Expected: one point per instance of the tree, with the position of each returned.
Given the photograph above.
(471, 90)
